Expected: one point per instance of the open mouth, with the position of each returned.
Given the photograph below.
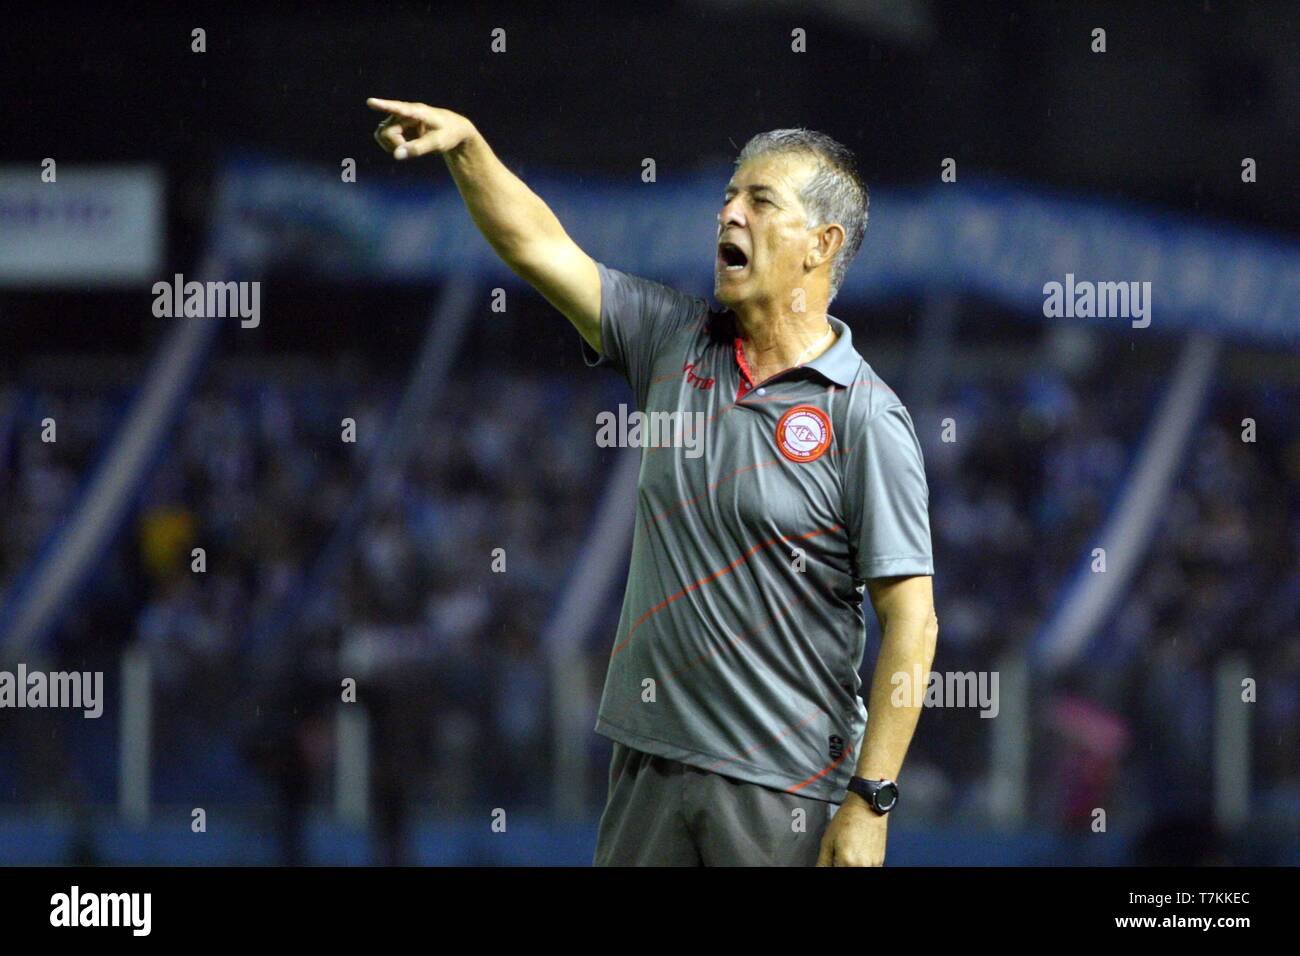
(731, 258)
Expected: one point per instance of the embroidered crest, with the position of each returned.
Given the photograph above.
(803, 433)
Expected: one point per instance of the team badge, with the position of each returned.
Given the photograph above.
(803, 433)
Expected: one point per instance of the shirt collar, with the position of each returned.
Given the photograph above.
(839, 363)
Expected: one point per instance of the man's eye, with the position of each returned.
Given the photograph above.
(765, 200)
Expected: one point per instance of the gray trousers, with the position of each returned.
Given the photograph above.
(664, 813)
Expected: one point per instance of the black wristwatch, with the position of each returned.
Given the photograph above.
(881, 795)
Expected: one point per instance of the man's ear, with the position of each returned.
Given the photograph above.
(823, 244)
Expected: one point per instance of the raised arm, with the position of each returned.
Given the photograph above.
(514, 220)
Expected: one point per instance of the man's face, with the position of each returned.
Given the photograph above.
(762, 238)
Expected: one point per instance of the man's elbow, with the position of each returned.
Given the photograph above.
(931, 637)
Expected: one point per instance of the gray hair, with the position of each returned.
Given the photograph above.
(835, 193)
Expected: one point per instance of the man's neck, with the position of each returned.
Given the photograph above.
(776, 339)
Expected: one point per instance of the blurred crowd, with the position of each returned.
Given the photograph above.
(450, 564)
(430, 583)
(1016, 503)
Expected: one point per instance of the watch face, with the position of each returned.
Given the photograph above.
(887, 796)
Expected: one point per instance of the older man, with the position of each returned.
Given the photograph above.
(732, 691)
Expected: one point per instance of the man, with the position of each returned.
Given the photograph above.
(732, 690)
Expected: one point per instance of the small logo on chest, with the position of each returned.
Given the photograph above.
(699, 381)
(804, 433)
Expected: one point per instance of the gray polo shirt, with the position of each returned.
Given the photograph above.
(742, 627)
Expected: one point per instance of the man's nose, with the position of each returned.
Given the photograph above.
(730, 215)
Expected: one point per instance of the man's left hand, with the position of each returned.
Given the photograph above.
(855, 837)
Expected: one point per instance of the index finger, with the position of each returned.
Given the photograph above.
(397, 107)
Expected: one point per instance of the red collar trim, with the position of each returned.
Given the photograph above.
(746, 376)
(740, 360)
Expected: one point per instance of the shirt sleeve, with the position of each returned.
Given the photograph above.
(637, 317)
(887, 507)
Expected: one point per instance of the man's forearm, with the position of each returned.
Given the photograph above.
(907, 648)
(521, 228)
(513, 219)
